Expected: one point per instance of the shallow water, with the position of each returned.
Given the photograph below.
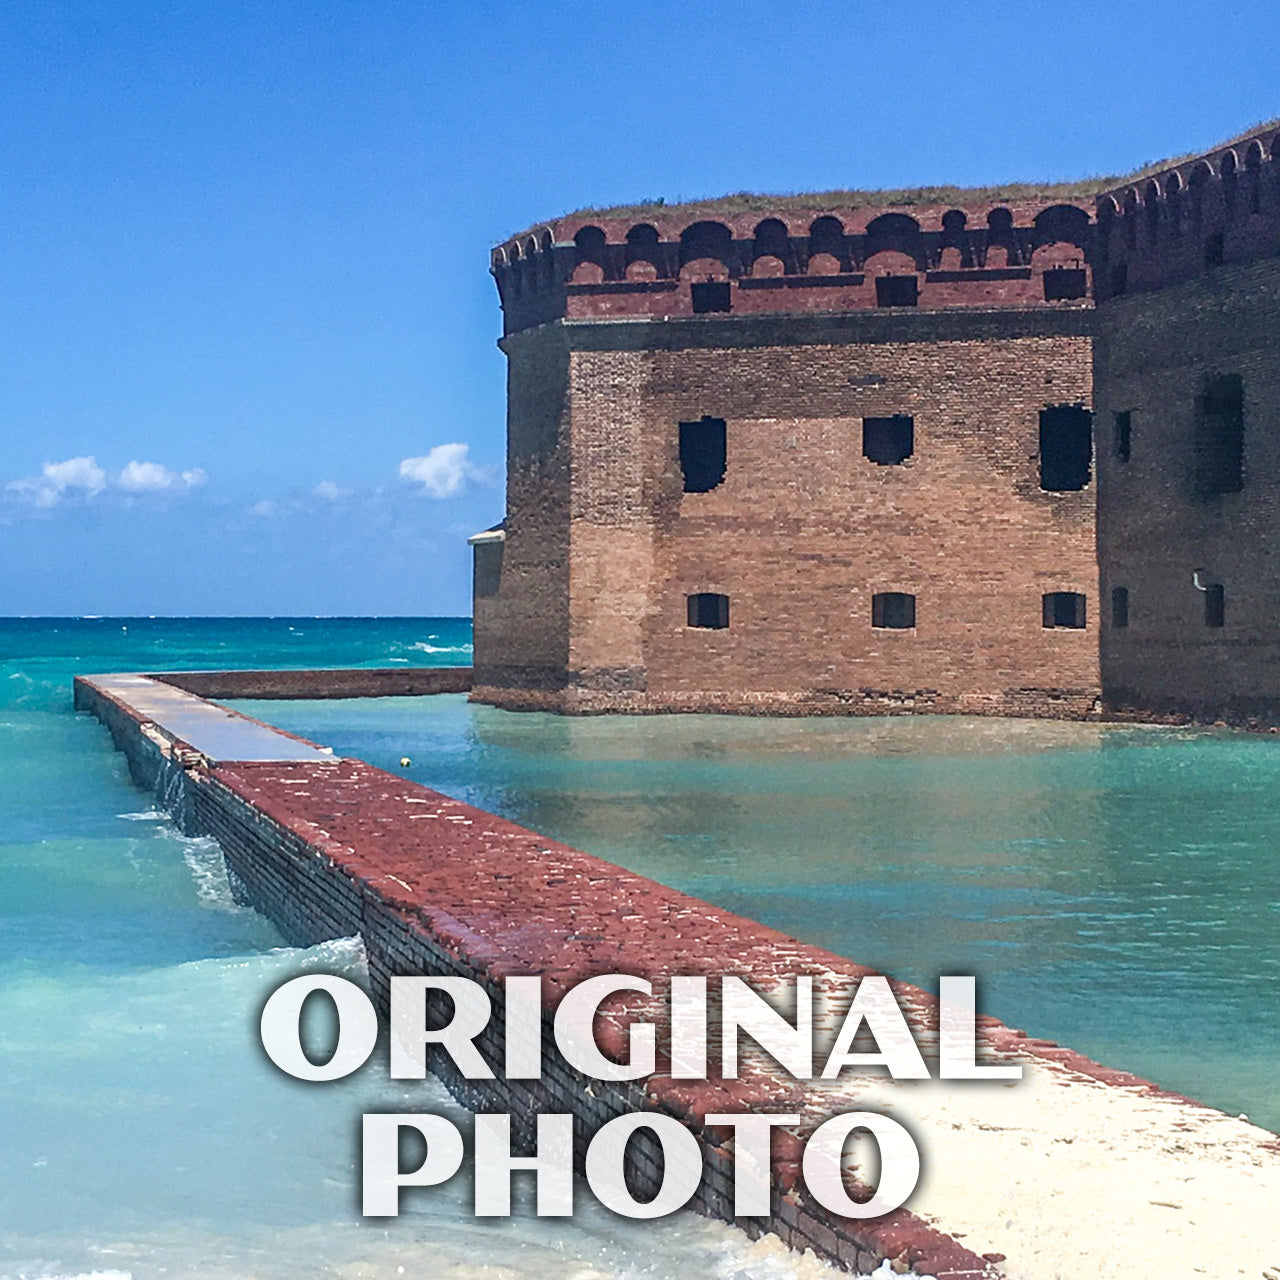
(144, 1133)
(1115, 888)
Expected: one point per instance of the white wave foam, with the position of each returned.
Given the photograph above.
(209, 870)
(423, 647)
(337, 955)
(79, 1275)
(147, 815)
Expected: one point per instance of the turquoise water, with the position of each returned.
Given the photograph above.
(1115, 888)
(144, 1134)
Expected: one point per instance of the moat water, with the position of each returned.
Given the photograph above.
(1115, 889)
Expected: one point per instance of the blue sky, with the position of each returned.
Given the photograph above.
(244, 247)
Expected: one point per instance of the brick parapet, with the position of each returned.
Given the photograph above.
(821, 260)
(1190, 218)
(347, 682)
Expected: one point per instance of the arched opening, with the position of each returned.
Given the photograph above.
(826, 236)
(1173, 202)
(1002, 247)
(546, 258)
(896, 232)
(1061, 222)
(706, 240)
(1253, 176)
(771, 238)
(590, 242)
(643, 254)
(515, 276)
(955, 252)
(1131, 217)
(1230, 181)
(1197, 186)
(1151, 205)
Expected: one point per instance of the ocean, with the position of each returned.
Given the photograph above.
(1115, 888)
(144, 1133)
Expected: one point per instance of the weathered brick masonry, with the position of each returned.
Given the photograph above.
(1188, 424)
(350, 682)
(586, 604)
(811, 572)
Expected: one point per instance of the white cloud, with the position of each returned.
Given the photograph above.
(60, 479)
(264, 507)
(153, 477)
(442, 472)
(330, 492)
(83, 478)
(76, 473)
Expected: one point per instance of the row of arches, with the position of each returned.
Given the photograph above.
(825, 246)
(1237, 176)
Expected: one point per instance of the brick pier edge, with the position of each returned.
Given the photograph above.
(332, 847)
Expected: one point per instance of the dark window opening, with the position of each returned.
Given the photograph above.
(1119, 279)
(1064, 283)
(1066, 447)
(709, 610)
(1215, 605)
(1214, 250)
(888, 441)
(1121, 434)
(895, 610)
(487, 569)
(711, 295)
(1219, 439)
(897, 291)
(1064, 609)
(702, 454)
(1119, 606)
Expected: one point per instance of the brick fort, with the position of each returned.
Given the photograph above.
(998, 452)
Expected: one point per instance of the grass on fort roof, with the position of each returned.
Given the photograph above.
(755, 202)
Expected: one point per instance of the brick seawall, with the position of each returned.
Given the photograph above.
(329, 847)
(357, 682)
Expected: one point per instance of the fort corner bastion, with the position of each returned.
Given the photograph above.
(997, 452)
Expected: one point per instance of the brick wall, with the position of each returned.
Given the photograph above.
(521, 632)
(804, 529)
(351, 682)
(1188, 277)
(1154, 352)
(338, 848)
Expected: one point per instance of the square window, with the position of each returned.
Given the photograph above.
(1064, 609)
(893, 610)
(707, 609)
(888, 441)
(1063, 283)
(711, 295)
(897, 291)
